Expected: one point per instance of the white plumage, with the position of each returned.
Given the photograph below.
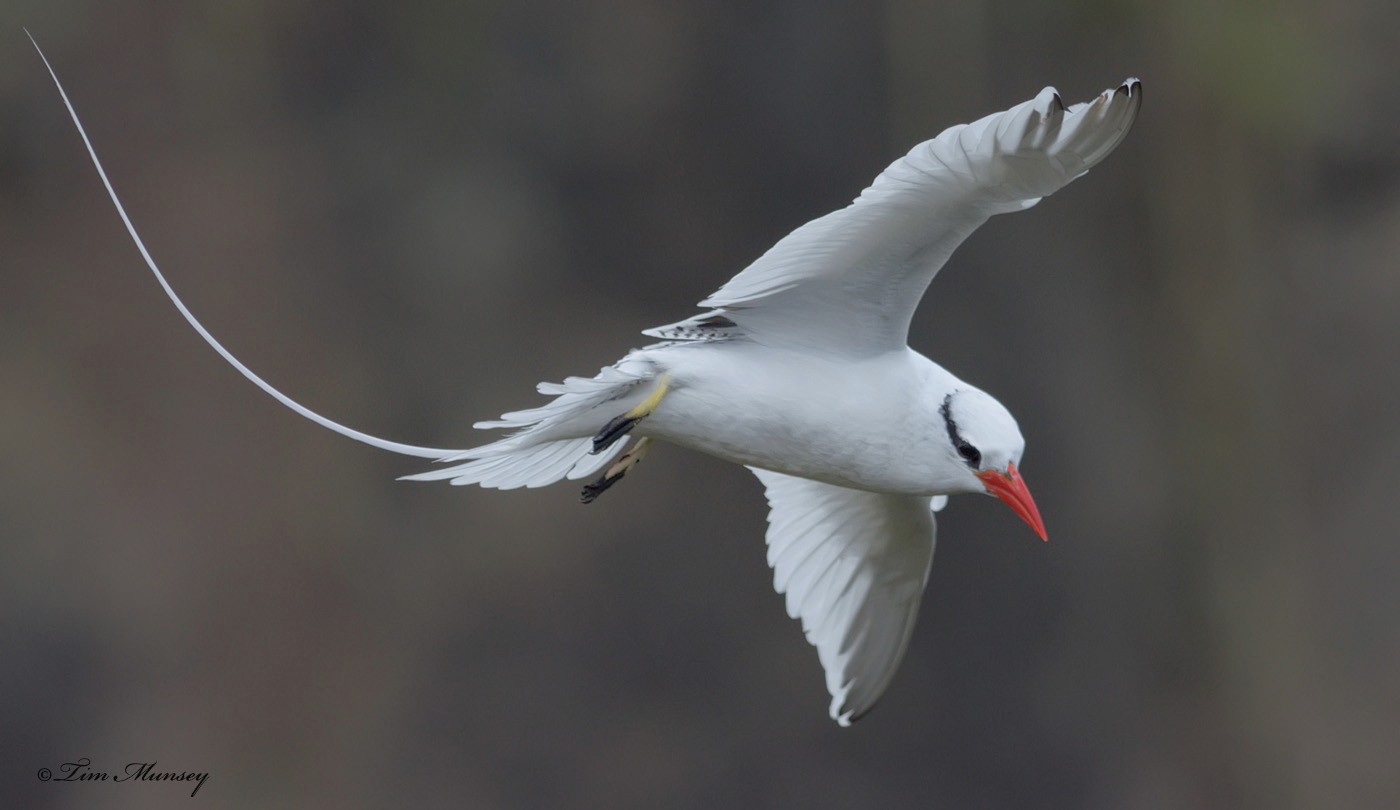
(800, 370)
(853, 566)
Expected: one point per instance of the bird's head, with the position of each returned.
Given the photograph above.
(985, 443)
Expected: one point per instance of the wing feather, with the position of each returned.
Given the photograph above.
(849, 282)
(852, 566)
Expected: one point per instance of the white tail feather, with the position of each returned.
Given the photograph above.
(536, 466)
(551, 442)
(373, 441)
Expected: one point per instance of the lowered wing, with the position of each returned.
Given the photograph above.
(853, 566)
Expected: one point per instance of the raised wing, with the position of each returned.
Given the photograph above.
(853, 566)
(849, 282)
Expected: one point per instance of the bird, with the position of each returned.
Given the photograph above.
(799, 369)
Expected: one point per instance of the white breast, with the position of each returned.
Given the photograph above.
(870, 424)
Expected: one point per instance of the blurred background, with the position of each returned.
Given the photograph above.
(406, 214)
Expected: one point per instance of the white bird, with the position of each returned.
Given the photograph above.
(800, 370)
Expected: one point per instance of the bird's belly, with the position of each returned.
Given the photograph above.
(824, 423)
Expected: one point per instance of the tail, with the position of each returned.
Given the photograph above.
(546, 446)
(552, 441)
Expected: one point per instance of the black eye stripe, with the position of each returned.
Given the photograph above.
(970, 454)
(947, 412)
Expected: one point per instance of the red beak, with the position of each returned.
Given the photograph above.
(1011, 488)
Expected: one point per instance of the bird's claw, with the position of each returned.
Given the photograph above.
(615, 473)
(613, 431)
(620, 426)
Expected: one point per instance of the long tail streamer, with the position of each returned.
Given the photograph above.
(373, 441)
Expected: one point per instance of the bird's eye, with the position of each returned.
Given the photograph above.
(969, 453)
